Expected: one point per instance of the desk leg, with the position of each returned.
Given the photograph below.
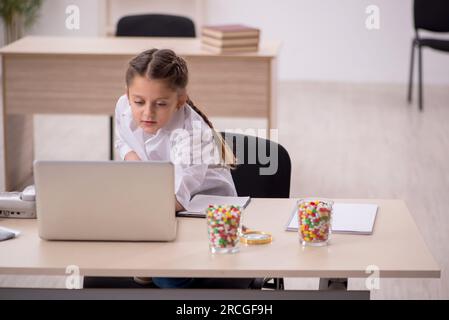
(333, 284)
(340, 287)
(19, 151)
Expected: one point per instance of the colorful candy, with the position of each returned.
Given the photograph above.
(314, 218)
(223, 223)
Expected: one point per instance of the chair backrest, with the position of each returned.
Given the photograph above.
(252, 154)
(155, 25)
(431, 15)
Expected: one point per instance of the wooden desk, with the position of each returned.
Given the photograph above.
(87, 75)
(396, 247)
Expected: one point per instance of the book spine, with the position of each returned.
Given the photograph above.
(243, 42)
(229, 49)
(230, 35)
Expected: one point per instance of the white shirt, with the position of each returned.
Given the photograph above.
(191, 177)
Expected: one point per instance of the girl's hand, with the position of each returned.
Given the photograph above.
(132, 156)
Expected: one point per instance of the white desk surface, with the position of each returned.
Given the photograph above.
(396, 247)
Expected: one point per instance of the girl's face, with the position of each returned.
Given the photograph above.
(153, 103)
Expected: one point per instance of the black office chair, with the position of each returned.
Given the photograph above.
(250, 181)
(150, 25)
(249, 177)
(155, 25)
(430, 15)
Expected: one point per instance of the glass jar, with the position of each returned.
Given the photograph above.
(223, 228)
(314, 221)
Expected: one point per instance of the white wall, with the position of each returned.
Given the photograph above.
(326, 40)
(2, 35)
(323, 40)
(52, 18)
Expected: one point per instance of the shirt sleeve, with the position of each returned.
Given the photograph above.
(120, 145)
(190, 172)
(188, 179)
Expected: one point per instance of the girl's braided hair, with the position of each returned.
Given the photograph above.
(164, 64)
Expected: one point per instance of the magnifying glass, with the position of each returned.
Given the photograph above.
(255, 237)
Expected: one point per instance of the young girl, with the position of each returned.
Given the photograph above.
(156, 120)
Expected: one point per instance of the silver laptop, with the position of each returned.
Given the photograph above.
(105, 200)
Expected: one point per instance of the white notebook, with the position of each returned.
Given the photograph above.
(200, 202)
(349, 218)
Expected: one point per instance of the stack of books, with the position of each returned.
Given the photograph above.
(230, 38)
